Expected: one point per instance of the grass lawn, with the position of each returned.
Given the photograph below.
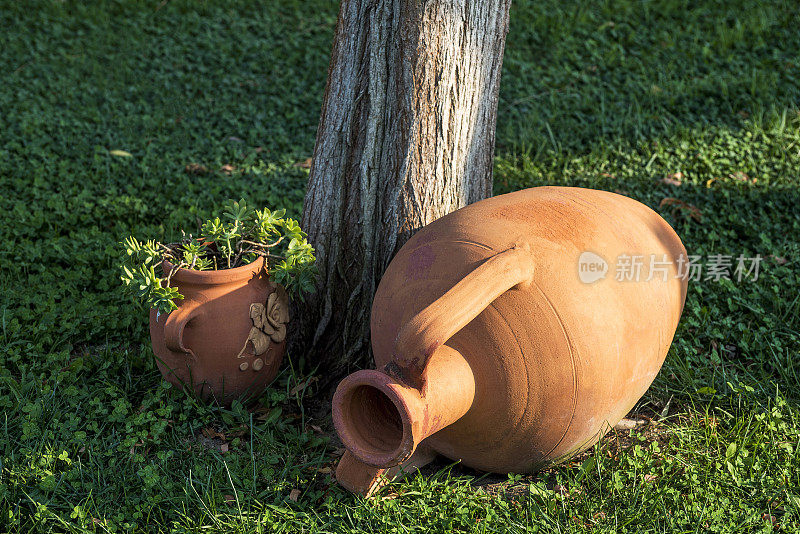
(624, 95)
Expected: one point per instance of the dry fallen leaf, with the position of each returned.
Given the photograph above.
(210, 433)
(230, 499)
(628, 424)
(294, 495)
(223, 448)
(710, 421)
(650, 477)
(238, 431)
(196, 169)
(742, 177)
(676, 178)
(302, 385)
(778, 259)
(227, 168)
(305, 164)
(692, 211)
(316, 429)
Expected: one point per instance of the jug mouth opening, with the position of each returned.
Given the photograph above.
(373, 420)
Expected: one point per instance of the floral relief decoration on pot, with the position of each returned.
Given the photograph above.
(269, 323)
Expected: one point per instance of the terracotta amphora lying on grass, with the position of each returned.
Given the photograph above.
(227, 338)
(511, 334)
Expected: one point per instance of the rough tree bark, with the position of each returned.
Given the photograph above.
(406, 136)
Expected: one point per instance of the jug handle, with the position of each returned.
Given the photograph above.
(176, 321)
(431, 328)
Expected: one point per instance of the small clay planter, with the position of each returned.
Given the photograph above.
(227, 338)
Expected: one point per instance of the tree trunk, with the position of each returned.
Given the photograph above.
(406, 136)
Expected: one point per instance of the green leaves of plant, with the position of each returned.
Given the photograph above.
(140, 279)
(240, 236)
(297, 272)
(194, 256)
(237, 213)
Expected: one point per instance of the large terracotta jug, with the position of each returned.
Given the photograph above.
(512, 333)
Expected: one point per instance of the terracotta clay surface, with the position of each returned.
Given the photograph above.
(226, 340)
(493, 350)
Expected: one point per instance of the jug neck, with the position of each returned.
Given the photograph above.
(382, 420)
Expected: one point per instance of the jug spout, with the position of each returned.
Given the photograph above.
(382, 420)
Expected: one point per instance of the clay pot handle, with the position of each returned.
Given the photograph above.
(435, 325)
(176, 321)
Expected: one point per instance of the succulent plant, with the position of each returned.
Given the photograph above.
(237, 237)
